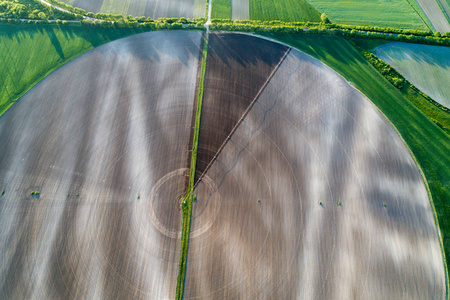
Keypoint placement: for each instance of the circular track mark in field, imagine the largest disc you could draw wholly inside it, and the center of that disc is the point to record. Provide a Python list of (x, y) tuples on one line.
[(165, 200), (164, 204)]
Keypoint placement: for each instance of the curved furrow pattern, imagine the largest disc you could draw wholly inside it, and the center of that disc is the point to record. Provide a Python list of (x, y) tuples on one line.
[(237, 67), (316, 197), (105, 141)]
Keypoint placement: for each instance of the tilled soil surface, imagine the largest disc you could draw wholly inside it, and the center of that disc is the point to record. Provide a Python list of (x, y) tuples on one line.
[(237, 68), (315, 197), (105, 141)]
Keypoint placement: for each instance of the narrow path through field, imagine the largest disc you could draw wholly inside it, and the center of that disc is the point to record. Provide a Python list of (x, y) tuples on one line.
[(189, 197), (208, 20)]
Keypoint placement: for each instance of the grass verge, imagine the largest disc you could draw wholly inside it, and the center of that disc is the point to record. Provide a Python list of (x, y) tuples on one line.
[(188, 198), (428, 143), (28, 53)]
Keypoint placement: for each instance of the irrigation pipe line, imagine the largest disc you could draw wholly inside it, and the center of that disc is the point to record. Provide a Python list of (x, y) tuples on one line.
[(246, 112)]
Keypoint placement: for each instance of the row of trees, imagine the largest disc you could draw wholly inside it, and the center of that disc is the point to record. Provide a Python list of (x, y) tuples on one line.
[(32, 9), (130, 21), (325, 24), (156, 25), (246, 26), (321, 28)]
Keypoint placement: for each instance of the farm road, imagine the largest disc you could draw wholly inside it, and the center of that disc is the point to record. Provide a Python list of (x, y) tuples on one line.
[(315, 196), (106, 129)]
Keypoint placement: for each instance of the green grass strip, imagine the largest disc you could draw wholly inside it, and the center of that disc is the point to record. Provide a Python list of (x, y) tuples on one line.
[(286, 10), (189, 197)]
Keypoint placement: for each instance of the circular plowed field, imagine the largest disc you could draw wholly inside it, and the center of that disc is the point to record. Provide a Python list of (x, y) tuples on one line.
[(304, 190)]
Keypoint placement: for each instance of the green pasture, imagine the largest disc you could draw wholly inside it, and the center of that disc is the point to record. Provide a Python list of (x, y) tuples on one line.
[(429, 144), (28, 53), (283, 10), (405, 14)]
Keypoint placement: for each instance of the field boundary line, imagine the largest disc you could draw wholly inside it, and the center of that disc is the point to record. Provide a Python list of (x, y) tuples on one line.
[(186, 203), (444, 12), (420, 16), (246, 112)]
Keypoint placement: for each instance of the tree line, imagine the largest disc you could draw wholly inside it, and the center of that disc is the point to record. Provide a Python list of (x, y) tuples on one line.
[(32, 9)]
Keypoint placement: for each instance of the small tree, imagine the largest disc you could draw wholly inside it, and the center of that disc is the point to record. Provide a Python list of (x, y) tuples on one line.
[(324, 18), (42, 16)]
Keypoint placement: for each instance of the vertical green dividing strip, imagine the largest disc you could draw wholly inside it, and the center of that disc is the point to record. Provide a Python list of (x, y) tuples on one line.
[(188, 198)]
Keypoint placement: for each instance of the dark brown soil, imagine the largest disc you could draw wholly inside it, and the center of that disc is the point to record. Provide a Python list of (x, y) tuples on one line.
[(237, 68)]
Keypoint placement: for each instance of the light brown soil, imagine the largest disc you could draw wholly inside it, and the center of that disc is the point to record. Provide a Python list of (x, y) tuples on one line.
[(111, 126), (317, 198)]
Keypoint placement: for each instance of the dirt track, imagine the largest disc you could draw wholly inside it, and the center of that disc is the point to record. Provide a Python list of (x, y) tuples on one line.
[(110, 126), (323, 162)]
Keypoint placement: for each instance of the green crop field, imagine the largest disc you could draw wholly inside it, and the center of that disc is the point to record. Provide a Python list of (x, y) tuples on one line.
[(429, 144), (427, 67), (383, 13), (29, 53), (286, 10), (221, 9)]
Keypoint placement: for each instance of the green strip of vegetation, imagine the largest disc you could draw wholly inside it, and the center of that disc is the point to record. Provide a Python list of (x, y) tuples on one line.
[(189, 197), (286, 10), (429, 144), (443, 10), (30, 52), (391, 34), (221, 9)]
